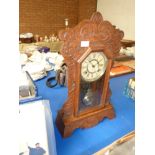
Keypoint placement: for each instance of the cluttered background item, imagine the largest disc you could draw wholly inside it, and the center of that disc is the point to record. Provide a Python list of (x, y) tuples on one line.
[(129, 89)]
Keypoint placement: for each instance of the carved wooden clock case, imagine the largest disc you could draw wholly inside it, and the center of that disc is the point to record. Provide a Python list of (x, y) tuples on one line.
[(88, 50)]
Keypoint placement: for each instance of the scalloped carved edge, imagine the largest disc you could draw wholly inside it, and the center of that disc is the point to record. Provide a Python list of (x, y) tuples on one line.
[(66, 129), (94, 29)]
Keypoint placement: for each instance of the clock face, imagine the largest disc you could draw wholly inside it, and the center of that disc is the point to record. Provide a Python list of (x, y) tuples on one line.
[(93, 67)]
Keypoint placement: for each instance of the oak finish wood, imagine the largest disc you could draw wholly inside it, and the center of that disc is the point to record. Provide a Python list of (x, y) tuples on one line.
[(102, 36)]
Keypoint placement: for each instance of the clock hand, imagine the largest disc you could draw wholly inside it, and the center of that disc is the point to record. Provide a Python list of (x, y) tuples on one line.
[(93, 63)]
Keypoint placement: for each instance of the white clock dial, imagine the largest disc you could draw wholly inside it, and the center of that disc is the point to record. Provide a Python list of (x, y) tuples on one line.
[(94, 66)]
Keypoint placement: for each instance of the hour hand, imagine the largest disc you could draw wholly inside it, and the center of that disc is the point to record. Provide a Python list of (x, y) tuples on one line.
[(93, 63)]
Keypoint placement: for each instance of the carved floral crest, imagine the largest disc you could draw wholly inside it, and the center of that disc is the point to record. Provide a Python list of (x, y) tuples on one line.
[(107, 36)]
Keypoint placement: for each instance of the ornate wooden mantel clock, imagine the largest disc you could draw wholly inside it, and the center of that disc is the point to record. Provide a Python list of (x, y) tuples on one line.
[(88, 49)]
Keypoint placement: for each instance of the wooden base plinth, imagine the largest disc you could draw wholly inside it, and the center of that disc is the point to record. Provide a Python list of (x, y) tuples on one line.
[(85, 121)]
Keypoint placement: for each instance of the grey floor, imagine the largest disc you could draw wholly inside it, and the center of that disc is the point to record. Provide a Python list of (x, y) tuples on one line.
[(127, 148)]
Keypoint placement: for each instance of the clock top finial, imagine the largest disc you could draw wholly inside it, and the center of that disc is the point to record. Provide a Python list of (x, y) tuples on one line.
[(96, 16)]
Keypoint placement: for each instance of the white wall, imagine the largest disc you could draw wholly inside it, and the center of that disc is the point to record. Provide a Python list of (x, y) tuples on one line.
[(120, 13)]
